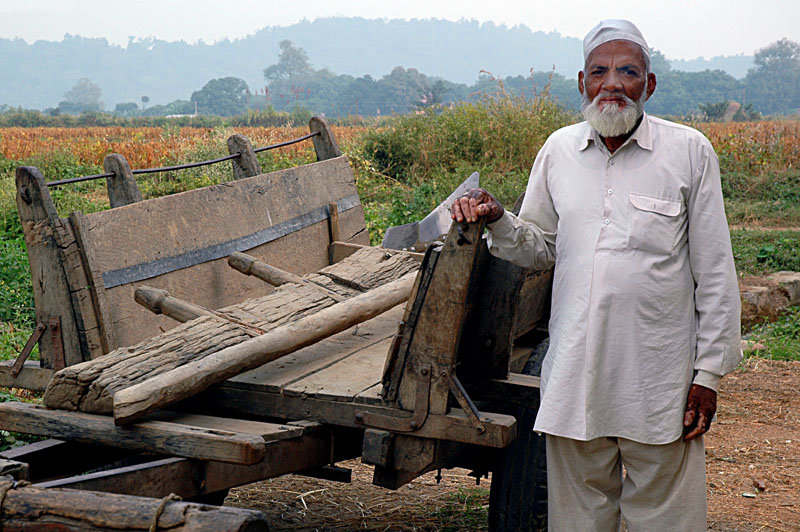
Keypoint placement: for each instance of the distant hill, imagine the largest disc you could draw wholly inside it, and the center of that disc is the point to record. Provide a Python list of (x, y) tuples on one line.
[(38, 75), (735, 65)]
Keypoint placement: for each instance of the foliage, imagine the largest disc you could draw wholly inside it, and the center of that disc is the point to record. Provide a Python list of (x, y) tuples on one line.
[(714, 111), (222, 97), (292, 63), (773, 84), (758, 252), (83, 96), (126, 109), (780, 338)]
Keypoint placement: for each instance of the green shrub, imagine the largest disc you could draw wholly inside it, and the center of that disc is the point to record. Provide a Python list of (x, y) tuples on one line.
[(781, 338), (762, 252)]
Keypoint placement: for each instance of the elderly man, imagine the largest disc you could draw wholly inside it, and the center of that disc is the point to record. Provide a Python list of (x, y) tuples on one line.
[(645, 312)]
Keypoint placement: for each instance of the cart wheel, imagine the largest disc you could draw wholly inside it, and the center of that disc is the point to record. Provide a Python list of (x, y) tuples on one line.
[(518, 495)]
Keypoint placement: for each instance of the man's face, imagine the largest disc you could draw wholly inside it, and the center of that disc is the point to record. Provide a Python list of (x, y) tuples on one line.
[(614, 85)]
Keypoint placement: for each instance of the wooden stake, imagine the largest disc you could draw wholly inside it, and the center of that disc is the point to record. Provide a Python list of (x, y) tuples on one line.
[(187, 380)]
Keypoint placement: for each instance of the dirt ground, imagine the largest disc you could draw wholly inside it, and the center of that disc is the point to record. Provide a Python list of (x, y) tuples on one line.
[(752, 462)]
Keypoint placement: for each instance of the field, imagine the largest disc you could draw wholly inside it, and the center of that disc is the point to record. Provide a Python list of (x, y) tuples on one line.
[(403, 170)]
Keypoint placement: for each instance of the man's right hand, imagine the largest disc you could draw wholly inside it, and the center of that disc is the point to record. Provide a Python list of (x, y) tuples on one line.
[(475, 203)]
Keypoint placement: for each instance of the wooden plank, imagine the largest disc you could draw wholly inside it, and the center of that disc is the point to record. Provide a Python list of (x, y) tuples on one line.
[(533, 307), (454, 426), (280, 374), (346, 379), (194, 377), (31, 377), (268, 431), (441, 319), (186, 223), (151, 436), (189, 478), (51, 293), (95, 283), (91, 342)]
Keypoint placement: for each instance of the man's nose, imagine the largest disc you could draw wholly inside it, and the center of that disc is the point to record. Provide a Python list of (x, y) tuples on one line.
[(612, 82)]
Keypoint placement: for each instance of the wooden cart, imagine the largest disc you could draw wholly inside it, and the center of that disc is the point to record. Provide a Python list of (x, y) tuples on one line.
[(432, 383)]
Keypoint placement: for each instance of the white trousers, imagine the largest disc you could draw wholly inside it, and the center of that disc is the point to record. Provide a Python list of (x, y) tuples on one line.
[(664, 487)]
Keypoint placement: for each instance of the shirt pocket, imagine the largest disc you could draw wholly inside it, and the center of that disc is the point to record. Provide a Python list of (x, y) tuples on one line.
[(654, 223)]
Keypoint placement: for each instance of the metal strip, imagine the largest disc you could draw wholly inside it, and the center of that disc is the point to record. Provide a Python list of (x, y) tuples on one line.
[(146, 270)]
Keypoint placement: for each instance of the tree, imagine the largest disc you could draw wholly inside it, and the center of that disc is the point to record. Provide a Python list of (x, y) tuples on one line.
[(145, 99), (126, 109), (292, 63), (773, 84), (82, 97), (222, 96)]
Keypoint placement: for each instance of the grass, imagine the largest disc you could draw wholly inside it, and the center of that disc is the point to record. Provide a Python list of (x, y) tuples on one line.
[(760, 252), (466, 509), (780, 338)]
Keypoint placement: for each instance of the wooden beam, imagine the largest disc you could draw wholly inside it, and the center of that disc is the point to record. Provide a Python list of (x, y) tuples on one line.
[(34, 508), (454, 426), (342, 250), (31, 376), (51, 293), (151, 436), (190, 379)]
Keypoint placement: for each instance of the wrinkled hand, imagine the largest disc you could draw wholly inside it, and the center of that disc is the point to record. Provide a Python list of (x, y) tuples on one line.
[(700, 408), (475, 203)]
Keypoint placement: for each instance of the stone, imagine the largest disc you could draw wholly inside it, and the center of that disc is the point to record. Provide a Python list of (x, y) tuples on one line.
[(790, 282)]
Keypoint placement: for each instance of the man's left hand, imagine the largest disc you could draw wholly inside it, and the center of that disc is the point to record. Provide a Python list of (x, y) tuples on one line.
[(700, 409)]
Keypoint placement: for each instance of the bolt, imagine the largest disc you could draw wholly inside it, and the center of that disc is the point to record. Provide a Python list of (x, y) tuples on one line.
[(444, 373), (414, 425), (359, 418), (424, 371), (481, 429)]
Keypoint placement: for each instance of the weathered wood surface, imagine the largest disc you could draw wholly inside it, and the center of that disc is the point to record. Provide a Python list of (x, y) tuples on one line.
[(246, 165), (51, 292), (191, 441), (183, 229), (122, 187), (31, 508), (249, 265), (31, 377), (89, 387), (196, 376)]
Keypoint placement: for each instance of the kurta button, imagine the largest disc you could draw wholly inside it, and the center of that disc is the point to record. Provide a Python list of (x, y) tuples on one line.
[(606, 221), (610, 191), (611, 162)]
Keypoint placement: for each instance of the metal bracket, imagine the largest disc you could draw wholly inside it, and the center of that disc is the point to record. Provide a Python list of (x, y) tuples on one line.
[(26, 351), (466, 404), (403, 424)]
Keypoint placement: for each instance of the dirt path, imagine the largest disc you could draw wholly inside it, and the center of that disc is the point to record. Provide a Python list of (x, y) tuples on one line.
[(755, 444)]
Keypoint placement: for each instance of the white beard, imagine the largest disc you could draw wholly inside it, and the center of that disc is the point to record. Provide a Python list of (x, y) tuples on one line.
[(611, 120)]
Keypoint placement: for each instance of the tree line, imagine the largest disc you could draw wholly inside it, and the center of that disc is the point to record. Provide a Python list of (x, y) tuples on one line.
[(292, 85)]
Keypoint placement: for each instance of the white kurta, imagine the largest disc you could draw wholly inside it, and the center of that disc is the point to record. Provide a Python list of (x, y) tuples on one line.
[(645, 297)]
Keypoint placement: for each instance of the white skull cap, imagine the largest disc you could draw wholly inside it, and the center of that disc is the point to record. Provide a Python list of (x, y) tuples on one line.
[(613, 30)]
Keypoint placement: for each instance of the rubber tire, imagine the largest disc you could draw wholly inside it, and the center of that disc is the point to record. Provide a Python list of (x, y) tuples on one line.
[(518, 494)]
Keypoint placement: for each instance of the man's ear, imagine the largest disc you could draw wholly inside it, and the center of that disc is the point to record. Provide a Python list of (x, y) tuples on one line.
[(651, 85), (580, 83)]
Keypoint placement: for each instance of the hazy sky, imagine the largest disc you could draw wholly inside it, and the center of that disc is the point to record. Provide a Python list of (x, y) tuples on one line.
[(680, 29)]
